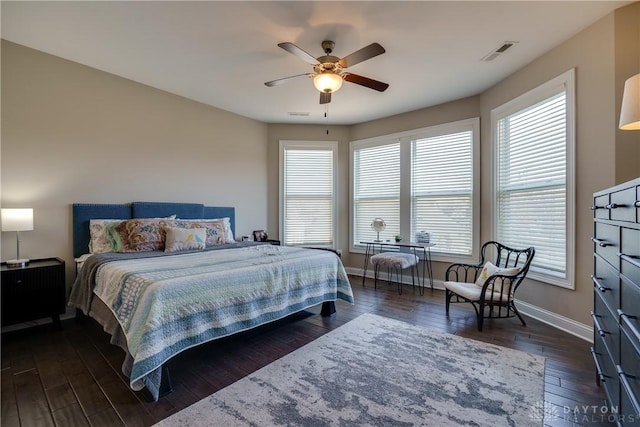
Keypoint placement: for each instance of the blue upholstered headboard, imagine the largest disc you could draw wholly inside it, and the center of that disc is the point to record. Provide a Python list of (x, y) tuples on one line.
[(83, 212)]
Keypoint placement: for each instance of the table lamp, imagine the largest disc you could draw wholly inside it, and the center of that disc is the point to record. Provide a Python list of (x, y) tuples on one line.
[(630, 111), (17, 220)]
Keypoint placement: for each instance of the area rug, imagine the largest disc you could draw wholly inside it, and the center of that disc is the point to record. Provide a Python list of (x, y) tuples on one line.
[(375, 371)]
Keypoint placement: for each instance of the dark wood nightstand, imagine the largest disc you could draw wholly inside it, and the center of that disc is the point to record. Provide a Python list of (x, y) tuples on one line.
[(33, 292), (273, 242)]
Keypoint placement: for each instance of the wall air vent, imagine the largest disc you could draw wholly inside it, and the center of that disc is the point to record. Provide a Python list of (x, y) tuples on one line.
[(498, 51), (299, 113)]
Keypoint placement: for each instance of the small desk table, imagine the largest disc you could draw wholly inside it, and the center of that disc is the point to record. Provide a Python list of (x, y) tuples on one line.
[(422, 250)]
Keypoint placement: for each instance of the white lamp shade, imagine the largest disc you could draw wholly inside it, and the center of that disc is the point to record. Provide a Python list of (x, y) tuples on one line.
[(630, 111), (327, 82), (17, 219)]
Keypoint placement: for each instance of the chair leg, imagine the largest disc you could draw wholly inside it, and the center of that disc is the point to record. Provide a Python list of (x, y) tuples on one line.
[(376, 270), (399, 279), (515, 310), (480, 316), (447, 300)]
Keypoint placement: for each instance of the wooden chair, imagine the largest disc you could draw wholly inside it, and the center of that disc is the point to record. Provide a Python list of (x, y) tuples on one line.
[(489, 286)]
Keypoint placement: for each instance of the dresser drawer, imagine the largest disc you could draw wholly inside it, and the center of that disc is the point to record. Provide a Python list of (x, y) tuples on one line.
[(621, 205), (630, 302), (605, 325), (630, 358), (606, 371), (606, 283), (607, 243), (599, 207), (630, 254), (628, 414)]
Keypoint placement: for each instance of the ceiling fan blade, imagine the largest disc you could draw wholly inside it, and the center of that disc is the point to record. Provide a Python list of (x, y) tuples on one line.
[(367, 52), (285, 79), (292, 48), (365, 81), (325, 97)]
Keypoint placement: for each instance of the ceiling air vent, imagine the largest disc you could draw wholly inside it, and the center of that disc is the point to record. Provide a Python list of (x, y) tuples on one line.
[(299, 113), (499, 51)]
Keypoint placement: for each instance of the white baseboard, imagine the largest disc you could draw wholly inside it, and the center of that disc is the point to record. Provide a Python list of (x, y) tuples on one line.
[(555, 320), (565, 324)]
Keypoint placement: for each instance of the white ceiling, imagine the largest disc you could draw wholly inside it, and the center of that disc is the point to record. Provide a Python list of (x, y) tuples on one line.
[(221, 53)]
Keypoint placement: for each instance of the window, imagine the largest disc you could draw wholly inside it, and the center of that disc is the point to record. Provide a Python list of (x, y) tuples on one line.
[(533, 185), (421, 180), (307, 193), (442, 191)]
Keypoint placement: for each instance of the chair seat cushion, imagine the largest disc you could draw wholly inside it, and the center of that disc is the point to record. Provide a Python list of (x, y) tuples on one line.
[(399, 260), (472, 292)]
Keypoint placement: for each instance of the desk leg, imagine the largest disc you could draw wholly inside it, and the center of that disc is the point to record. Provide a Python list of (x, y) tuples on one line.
[(429, 266), (420, 279)]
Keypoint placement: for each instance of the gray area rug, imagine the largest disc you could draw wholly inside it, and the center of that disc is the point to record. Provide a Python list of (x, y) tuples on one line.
[(375, 371)]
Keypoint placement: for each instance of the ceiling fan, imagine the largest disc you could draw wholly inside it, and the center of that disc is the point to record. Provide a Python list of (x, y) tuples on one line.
[(329, 71)]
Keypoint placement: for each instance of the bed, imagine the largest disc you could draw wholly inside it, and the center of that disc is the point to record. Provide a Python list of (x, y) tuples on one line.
[(156, 304)]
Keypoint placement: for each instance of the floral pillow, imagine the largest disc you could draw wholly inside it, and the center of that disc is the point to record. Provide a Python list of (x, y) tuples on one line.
[(215, 229), (489, 270), (184, 239), (140, 235), (228, 233), (98, 230)]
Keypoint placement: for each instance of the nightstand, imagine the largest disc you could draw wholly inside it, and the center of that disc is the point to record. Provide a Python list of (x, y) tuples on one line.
[(273, 242), (34, 291)]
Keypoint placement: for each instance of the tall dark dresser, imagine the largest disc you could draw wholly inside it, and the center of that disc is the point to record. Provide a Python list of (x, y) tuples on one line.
[(616, 301)]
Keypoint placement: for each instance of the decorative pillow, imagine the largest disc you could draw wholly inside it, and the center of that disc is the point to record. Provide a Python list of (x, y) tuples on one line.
[(215, 229), (141, 234), (489, 270), (228, 233), (184, 239), (98, 230)]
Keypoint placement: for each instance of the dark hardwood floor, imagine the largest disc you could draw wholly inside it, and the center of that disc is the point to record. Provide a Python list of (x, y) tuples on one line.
[(72, 377)]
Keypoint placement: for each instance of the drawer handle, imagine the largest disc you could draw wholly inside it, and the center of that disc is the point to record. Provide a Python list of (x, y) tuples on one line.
[(630, 259), (637, 204), (598, 368), (595, 207), (596, 282), (601, 243), (601, 332), (615, 206), (626, 319), (625, 383)]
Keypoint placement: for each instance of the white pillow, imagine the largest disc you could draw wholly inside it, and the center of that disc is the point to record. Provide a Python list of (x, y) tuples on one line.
[(489, 270), (185, 239), (100, 242)]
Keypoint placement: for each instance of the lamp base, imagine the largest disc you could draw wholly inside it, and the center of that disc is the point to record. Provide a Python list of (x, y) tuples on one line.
[(14, 263)]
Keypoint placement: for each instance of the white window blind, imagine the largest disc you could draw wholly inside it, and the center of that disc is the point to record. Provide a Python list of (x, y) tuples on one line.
[(307, 195), (376, 190), (442, 191), (531, 187)]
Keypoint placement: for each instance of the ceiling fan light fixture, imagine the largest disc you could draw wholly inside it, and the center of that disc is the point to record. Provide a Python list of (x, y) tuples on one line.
[(327, 82)]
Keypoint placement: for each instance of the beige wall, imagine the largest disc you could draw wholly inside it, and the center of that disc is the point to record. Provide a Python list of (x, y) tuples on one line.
[(627, 60), (591, 53), (71, 134), (74, 134)]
